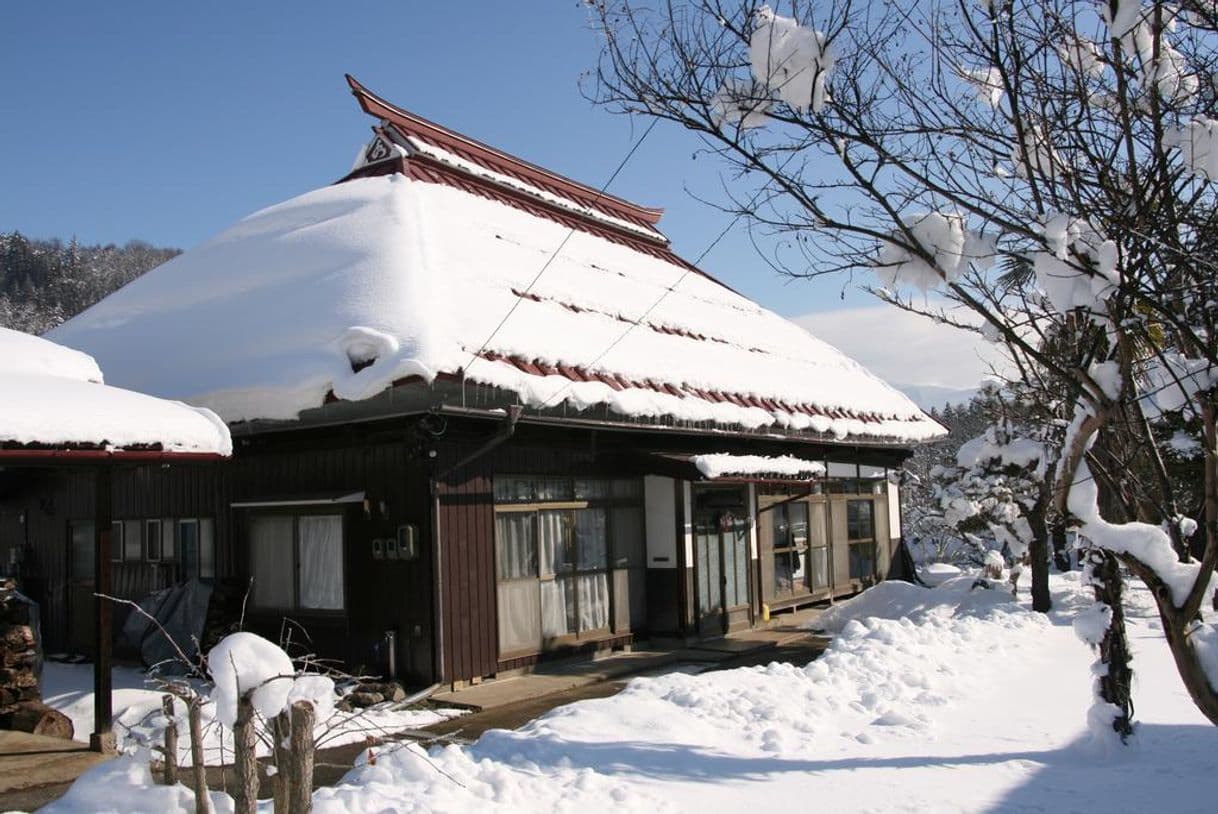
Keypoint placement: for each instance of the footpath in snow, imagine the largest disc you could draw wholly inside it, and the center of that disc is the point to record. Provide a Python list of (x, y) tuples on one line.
[(943, 700)]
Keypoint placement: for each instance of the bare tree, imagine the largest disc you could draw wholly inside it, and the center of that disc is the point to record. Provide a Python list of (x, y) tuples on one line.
[(1044, 167)]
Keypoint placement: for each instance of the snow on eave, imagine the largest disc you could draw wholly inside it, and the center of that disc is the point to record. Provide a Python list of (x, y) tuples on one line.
[(726, 465)]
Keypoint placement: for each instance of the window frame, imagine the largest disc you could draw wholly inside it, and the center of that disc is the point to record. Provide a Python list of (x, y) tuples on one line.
[(855, 543), (618, 492), (297, 512)]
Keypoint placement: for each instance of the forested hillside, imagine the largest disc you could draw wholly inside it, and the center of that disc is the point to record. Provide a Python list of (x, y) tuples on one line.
[(44, 282)]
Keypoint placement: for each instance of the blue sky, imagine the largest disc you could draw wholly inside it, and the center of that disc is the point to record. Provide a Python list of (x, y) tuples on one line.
[(168, 121)]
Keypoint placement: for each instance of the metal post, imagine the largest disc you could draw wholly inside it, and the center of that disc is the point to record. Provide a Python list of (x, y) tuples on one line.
[(102, 738)]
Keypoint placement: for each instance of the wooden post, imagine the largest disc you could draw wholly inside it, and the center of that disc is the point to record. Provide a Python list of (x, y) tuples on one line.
[(300, 784), (197, 758), (281, 726), (245, 765), (102, 738), (171, 742)]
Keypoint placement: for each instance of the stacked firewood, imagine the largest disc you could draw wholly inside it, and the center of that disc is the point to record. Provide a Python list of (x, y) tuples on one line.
[(21, 706)]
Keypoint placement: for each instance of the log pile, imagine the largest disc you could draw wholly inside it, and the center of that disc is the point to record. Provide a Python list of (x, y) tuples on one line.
[(21, 706)]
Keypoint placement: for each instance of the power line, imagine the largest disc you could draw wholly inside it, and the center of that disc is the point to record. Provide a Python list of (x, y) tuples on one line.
[(554, 254), (553, 400)]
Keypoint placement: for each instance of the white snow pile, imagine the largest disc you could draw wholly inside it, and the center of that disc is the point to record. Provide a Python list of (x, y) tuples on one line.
[(244, 664), (1171, 381), (140, 722), (1023, 453), (1197, 140), (125, 786), (721, 465), (986, 83), (945, 238), (792, 60), (55, 396), (351, 288), (952, 700), (1080, 268), (1163, 68)]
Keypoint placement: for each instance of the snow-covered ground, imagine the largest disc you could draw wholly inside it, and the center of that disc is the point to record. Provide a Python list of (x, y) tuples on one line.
[(928, 700), (138, 721)]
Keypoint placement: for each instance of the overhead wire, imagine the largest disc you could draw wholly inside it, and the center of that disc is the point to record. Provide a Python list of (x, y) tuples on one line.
[(600, 193)]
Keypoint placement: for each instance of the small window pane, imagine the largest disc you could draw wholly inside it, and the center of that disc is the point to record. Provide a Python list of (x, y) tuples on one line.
[(557, 608), (321, 561), (629, 537), (519, 615), (152, 540), (818, 567), (188, 548), (554, 489), (593, 592), (860, 522), (862, 560), (83, 548), (554, 536), (627, 487), (514, 490), (117, 549), (588, 489), (591, 539), (133, 547), (516, 544), (168, 539), (271, 563)]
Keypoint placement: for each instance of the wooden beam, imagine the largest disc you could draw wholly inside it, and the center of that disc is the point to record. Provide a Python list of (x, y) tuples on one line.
[(102, 739)]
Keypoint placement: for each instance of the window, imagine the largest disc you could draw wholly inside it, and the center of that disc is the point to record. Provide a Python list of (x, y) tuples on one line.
[(195, 542), (570, 558), (789, 524), (133, 540), (117, 548), (860, 532), (297, 561)]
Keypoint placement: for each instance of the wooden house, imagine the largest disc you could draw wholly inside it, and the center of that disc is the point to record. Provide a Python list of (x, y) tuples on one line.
[(483, 414)]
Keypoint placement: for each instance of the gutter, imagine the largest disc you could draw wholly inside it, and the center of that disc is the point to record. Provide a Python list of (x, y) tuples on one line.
[(503, 432)]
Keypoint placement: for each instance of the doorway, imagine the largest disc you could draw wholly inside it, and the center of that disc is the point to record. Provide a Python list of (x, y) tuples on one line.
[(721, 560)]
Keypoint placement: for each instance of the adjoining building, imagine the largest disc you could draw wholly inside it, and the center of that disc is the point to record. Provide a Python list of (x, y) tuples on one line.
[(483, 414), (65, 438)]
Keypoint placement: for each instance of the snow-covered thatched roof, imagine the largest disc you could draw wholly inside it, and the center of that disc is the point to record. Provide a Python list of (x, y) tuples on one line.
[(403, 274), (54, 401)]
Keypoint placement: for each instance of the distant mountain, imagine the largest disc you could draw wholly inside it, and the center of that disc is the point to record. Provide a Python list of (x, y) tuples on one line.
[(934, 397), (44, 282)]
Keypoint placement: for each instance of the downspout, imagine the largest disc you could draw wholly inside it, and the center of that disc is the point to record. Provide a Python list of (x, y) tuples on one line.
[(505, 431)]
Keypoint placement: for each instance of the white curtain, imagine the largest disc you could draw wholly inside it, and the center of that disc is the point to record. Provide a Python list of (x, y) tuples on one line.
[(557, 603), (517, 552), (593, 601), (519, 616), (271, 560), (552, 533), (321, 561)]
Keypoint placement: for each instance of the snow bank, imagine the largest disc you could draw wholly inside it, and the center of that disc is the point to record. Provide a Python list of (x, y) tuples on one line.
[(960, 596), (960, 711), (125, 786), (140, 724), (353, 287)]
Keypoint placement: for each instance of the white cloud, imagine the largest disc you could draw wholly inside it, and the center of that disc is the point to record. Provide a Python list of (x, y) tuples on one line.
[(906, 350)]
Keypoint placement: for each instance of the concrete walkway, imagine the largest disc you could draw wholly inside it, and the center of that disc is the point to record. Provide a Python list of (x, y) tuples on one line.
[(35, 770)]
